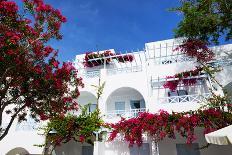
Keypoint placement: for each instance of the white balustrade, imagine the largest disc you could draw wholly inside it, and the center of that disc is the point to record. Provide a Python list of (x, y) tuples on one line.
[(169, 59), (130, 69), (91, 74), (124, 113), (185, 98)]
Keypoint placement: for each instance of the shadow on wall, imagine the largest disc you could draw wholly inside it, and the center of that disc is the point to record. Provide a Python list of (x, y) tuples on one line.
[(74, 148), (115, 147), (18, 151), (122, 148), (178, 146)]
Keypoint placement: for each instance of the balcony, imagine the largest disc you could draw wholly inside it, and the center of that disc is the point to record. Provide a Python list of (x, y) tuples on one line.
[(114, 63), (124, 102), (124, 113), (185, 93)]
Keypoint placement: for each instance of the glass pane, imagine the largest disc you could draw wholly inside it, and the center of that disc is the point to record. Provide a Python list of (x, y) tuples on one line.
[(135, 104), (183, 93), (92, 107), (172, 93)]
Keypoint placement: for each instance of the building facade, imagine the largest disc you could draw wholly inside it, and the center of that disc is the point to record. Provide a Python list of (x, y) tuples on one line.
[(131, 87), (137, 86)]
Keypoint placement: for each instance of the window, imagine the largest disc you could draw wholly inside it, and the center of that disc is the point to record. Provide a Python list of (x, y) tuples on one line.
[(173, 96), (187, 149), (120, 107), (92, 107), (183, 93), (135, 104)]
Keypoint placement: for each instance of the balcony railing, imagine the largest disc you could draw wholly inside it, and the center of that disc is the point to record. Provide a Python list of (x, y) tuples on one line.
[(124, 70), (169, 59), (124, 113), (91, 74), (157, 83), (185, 98)]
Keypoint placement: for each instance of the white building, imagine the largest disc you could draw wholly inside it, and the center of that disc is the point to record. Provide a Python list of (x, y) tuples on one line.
[(134, 87), (137, 86)]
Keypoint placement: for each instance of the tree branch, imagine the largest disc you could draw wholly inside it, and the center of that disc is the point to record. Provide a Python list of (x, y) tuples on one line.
[(11, 122), (3, 76)]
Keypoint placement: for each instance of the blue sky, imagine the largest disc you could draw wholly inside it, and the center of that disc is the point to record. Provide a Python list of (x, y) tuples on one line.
[(123, 25)]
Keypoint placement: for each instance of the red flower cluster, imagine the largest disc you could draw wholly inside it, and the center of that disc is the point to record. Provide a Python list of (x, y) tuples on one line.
[(8, 8), (89, 56), (125, 58), (181, 77), (197, 49), (163, 124)]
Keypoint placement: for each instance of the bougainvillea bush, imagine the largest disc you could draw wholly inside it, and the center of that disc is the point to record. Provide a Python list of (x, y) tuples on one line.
[(163, 124), (197, 49), (93, 59), (32, 80)]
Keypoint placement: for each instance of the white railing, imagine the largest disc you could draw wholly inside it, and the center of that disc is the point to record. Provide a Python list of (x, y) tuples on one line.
[(91, 74), (124, 113), (169, 59), (124, 70), (185, 98), (157, 83)]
